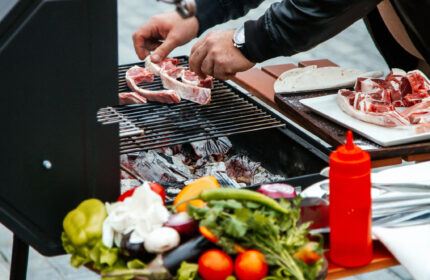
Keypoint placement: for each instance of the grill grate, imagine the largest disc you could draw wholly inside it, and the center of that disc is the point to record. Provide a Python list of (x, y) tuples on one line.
[(230, 112)]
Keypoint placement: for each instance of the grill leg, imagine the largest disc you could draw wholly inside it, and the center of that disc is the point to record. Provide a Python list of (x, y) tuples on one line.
[(18, 267)]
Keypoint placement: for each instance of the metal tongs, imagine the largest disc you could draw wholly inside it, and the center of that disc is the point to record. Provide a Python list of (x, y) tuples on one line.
[(186, 8)]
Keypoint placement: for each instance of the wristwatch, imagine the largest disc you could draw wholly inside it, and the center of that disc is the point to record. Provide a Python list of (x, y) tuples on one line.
[(239, 40)]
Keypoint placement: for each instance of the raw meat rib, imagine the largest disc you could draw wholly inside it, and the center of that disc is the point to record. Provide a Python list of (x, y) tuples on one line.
[(423, 128), (189, 77), (140, 75), (419, 113), (374, 100), (164, 96), (156, 67), (126, 98), (190, 92), (170, 73), (388, 118)]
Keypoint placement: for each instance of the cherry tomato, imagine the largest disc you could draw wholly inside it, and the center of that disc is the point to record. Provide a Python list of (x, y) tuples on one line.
[(250, 265), (215, 265), (155, 187)]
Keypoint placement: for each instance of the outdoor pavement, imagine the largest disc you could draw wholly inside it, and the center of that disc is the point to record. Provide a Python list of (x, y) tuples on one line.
[(352, 48)]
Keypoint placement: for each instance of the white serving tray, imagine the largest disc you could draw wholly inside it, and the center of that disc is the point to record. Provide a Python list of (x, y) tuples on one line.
[(384, 136)]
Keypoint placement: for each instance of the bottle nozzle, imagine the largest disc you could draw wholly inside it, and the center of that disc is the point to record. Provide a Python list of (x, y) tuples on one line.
[(349, 141)]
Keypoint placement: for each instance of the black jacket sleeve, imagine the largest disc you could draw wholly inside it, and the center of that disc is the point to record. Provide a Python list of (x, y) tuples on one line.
[(213, 12), (288, 27)]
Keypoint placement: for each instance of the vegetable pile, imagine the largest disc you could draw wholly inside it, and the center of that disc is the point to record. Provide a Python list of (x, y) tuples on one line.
[(222, 234)]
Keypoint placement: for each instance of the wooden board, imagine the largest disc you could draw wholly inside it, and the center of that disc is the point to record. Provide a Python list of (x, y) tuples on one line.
[(382, 258)]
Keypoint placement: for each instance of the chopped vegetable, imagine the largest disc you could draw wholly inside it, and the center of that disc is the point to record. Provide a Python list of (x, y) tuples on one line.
[(161, 240), (183, 224), (207, 234), (262, 227), (155, 187), (86, 247), (215, 265), (188, 251), (194, 189), (242, 195), (250, 265), (307, 254), (84, 224), (212, 238), (134, 250), (141, 213), (277, 190), (187, 271)]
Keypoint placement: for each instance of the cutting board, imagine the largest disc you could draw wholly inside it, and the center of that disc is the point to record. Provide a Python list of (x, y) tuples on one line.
[(384, 136)]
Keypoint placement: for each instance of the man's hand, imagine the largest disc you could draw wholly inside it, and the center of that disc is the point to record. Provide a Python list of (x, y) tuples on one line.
[(216, 55), (170, 27)]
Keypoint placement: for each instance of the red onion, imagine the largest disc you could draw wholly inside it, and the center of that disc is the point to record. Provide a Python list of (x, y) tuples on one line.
[(182, 223), (277, 190)]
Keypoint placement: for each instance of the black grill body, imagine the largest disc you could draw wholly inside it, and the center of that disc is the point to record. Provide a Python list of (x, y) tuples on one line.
[(58, 64)]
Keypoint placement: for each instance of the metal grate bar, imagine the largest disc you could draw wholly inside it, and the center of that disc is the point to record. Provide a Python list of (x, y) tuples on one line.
[(229, 112)]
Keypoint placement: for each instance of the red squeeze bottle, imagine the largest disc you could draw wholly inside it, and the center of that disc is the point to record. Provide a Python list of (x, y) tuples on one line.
[(350, 205)]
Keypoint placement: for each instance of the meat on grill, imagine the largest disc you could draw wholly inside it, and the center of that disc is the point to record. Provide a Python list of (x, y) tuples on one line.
[(136, 75), (190, 92), (156, 67), (127, 98), (189, 77), (171, 76), (374, 100)]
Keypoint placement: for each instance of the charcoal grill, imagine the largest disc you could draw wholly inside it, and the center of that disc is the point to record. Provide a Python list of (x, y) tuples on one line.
[(59, 61), (155, 125)]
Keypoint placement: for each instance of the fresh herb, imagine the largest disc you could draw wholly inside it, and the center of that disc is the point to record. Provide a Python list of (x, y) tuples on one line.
[(262, 227)]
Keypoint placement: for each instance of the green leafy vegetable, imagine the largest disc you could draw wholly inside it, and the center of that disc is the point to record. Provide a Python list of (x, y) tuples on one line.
[(82, 239), (187, 271), (274, 233)]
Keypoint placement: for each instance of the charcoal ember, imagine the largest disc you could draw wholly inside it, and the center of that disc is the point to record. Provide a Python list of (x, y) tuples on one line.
[(158, 167), (211, 168), (212, 147), (127, 160), (128, 184), (200, 162), (125, 175), (264, 176), (169, 151), (241, 166)]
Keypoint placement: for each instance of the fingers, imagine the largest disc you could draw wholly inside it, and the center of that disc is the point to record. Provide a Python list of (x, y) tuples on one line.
[(196, 60), (207, 66), (164, 49), (197, 45), (139, 44), (221, 73)]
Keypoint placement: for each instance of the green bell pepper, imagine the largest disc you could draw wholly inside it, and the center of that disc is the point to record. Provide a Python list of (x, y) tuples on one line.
[(84, 223)]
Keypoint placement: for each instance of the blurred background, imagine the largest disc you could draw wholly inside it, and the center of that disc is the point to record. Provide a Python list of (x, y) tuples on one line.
[(353, 48)]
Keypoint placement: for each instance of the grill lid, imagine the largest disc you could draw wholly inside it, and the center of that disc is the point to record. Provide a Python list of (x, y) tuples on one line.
[(155, 125)]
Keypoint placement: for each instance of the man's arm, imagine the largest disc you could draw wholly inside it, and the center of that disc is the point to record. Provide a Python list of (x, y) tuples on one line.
[(213, 12), (293, 26)]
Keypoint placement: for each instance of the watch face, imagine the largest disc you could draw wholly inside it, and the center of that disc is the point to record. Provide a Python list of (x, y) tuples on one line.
[(239, 36)]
